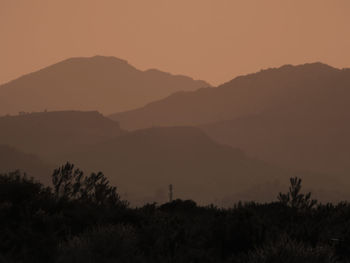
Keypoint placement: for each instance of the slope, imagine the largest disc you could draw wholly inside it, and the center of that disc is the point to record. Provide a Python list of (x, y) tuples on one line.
[(313, 87), (53, 134), (11, 160), (143, 163), (105, 84)]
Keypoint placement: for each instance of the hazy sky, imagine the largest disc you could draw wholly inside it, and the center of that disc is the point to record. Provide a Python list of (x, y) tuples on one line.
[(214, 40)]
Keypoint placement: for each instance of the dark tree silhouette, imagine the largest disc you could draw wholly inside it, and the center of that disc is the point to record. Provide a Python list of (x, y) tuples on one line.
[(67, 182), (75, 222), (296, 199), (72, 184), (17, 188)]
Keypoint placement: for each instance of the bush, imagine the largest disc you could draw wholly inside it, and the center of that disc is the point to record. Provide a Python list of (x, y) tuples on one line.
[(72, 184), (103, 244), (288, 251)]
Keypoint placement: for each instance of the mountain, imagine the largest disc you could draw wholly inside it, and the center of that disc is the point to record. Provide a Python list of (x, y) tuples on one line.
[(105, 84), (53, 134), (11, 160), (314, 87), (143, 163), (306, 141), (293, 116)]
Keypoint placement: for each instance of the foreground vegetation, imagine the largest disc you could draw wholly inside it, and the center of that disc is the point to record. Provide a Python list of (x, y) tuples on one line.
[(82, 219)]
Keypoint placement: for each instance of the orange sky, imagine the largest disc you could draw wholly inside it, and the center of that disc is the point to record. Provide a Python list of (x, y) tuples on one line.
[(214, 40)]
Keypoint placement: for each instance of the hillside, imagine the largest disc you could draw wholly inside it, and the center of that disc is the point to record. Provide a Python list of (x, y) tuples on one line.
[(105, 84), (314, 87), (11, 160), (306, 141), (143, 163), (292, 116), (52, 134)]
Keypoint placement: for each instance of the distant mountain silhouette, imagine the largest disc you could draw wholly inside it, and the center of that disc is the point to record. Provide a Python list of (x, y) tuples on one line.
[(306, 141), (106, 84), (295, 116), (316, 87), (52, 134), (144, 162), (12, 160)]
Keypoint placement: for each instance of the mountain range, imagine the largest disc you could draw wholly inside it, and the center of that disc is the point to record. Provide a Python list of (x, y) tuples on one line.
[(294, 116), (105, 84), (143, 163), (238, 141)]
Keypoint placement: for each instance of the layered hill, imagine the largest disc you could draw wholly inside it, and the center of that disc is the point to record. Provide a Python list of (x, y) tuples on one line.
[(293, 116), (306, 141), (53, 134), (12, 159), (105, 84), (316, 87), (144, 162)]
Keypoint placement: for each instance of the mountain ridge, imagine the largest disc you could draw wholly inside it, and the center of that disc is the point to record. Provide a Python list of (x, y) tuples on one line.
[(48, 133), (106, 84), (243, 96), (293, 116), (142, 163)]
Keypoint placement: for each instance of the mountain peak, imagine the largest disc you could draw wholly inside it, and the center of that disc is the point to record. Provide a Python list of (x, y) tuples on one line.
[(96, 58), (308, 66), (106, 84), (94, 61), (286, 70), (314, 66)]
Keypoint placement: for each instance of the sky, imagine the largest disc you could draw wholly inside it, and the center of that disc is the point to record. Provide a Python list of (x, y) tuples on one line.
[(213, 40)]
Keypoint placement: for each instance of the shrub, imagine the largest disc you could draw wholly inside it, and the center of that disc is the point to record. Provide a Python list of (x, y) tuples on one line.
[(288, 251), (102, 244)]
